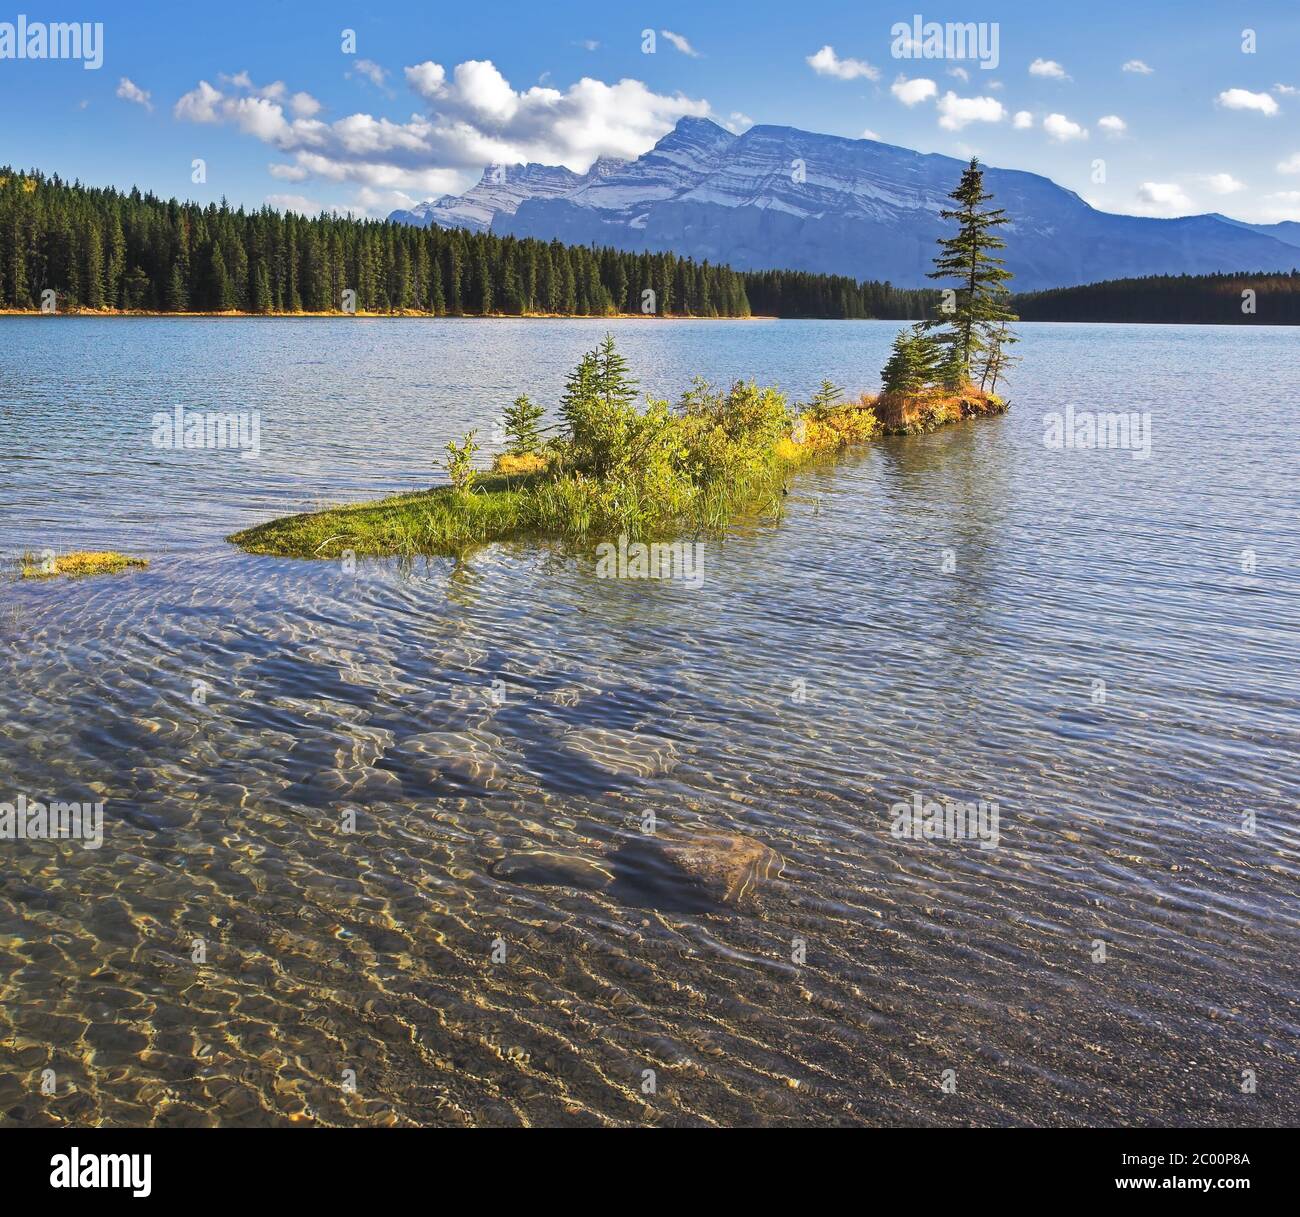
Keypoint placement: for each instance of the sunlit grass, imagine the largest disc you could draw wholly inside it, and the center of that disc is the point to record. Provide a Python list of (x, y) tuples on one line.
[(78, 564)]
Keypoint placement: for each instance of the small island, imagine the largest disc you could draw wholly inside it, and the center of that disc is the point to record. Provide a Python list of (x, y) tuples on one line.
[(612, 469), (78, 564)]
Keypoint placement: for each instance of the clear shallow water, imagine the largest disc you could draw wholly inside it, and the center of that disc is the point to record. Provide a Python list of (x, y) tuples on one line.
[(372, 690)]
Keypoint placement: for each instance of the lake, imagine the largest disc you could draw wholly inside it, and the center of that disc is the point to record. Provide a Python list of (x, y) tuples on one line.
[(328, 787)]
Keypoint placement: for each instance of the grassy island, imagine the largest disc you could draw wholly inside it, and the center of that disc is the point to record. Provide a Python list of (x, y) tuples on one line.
[(79, 564), (617, 469), (609, 468)]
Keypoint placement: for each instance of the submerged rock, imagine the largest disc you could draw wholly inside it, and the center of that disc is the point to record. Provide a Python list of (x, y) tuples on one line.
[(689, 870), (541, 868), (681, 870), (621, 754)]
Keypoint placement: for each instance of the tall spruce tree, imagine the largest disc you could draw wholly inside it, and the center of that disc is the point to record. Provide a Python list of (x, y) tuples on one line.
[(980, 303)]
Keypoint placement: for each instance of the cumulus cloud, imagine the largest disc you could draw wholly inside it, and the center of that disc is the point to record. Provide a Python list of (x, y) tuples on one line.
[(1285, 90), (128, 90), (738, 122), (1163, 198), (1049, 68), (288, 173), (826, 63), (1244, 99), (681, 43), (1062, 129), (1136, 65), (199, 105), (1022, 120), (910, 92), (304, 105), (1112, 124), (473, 117), (1290, 165), (275, 91), (956, 112), (868, 133), (1222, 183)]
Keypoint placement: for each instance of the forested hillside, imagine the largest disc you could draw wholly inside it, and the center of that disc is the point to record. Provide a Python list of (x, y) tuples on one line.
[(100, 248), (1274, 299)]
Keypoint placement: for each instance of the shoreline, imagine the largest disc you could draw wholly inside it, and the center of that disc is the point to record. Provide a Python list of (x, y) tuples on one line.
[(413, 315), (406, 315)]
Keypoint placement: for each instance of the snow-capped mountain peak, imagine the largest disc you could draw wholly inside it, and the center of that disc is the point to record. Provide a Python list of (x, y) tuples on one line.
[(779, 197)]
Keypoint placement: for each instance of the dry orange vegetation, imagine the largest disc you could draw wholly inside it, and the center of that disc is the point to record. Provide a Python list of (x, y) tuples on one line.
[(911, 414)]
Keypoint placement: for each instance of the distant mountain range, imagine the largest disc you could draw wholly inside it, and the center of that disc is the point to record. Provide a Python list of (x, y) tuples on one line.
[(779, 198)]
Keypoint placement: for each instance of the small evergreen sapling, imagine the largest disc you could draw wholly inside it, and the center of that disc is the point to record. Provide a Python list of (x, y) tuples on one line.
[(824, 400), (523, 436), (913, 363)]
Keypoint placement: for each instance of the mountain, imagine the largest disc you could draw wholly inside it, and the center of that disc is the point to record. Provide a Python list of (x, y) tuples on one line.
[(1287, 231), (779, 198), (500, 191)]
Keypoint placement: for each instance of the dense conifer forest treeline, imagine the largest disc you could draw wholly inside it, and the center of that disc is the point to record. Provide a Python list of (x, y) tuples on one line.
[(103, 249), (1203, 299)]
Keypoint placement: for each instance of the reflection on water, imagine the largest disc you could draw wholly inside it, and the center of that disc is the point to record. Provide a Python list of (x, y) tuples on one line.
[(494, 941)]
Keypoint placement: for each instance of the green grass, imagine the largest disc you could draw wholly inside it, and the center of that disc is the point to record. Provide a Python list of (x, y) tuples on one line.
[(437, 521), (542, 506), (720, 457)]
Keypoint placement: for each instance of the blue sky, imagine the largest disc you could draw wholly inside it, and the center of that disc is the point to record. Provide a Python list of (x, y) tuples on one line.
[(265, 94)]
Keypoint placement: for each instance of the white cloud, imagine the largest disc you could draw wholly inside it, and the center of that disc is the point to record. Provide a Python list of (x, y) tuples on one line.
[(960, 73), (241, 81), (428, 79), (1278, 206), (294, 202), (589, 44), (1136, 65), (910, 92), (738, 122), (199, 105), (680, 42), (371, 71), (1112, 124), (381, 202), (955, 112), (474, 118), (827, 63), (1062, 129), (1022, 120), (868, 133), (1290, 165), (1286, 90), (1222, 183), (128, 90), (1243, 99), (304, 105), (1049, 68), (1163, 198)]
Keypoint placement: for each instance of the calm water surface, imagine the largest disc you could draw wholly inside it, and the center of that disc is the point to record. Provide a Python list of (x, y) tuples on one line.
[(229, 709)]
